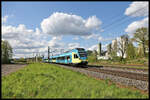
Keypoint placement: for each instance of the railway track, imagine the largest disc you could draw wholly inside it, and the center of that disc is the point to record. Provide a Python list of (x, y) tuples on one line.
[(125, 74), (119, 67), (131, 79), (130, 75)]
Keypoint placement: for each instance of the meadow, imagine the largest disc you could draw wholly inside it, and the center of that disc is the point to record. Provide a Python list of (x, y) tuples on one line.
[(41, 80)]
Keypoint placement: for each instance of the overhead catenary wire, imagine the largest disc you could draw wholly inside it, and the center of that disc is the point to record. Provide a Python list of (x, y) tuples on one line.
[(122, 18), (119, 21), (122, 22)]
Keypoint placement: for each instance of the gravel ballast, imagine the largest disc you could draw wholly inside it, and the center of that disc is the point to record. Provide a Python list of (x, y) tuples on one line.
[(126, 70), (142, 85)]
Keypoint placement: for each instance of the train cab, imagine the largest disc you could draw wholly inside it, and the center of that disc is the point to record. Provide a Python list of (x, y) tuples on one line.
[(79, 57)]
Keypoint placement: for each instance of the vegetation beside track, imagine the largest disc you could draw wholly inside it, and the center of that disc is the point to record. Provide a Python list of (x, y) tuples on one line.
[(139, 63), (41, 80)]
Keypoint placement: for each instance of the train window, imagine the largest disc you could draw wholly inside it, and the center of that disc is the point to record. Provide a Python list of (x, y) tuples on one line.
[(53, 58), (61, 58), (75, 56)]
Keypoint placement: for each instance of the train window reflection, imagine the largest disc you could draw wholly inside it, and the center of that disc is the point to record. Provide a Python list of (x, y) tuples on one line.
[(75, 56)]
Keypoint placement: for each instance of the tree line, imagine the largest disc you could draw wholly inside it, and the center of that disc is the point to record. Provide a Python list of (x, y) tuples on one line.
[(6, 54), (130, 48), (125, 45)]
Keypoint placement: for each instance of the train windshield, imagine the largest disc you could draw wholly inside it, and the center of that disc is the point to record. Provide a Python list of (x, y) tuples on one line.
[(82, 55), (82, 52)]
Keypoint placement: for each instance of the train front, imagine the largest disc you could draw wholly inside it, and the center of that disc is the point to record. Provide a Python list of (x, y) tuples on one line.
[(82, 56)]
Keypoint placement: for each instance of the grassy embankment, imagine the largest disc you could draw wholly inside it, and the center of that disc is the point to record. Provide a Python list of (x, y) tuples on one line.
[(41, 80), (139, 63)]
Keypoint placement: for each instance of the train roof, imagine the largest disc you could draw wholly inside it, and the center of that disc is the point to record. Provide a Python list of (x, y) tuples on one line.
[(67, 53), (80, 48)]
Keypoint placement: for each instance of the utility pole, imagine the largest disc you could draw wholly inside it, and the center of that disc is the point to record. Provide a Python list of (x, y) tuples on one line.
[(43, 56), (99, 49), (36, 57), (33, 57), (48, 52), (52, 52), (62, 50)]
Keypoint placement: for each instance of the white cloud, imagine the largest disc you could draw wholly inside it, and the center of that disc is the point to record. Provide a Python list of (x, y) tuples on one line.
[(137, 24), (93, 22), (76, 38), (100, 39), (22, 34), (68, 24), (96, 37), (24, 41), (137, 9), (92, 36), (4, 19), (10, 32), (94, 47), (55, 42), (73, 45)]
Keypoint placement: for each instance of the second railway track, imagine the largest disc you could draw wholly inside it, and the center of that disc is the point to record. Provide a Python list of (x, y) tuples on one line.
[(130, 75), (127, 74)]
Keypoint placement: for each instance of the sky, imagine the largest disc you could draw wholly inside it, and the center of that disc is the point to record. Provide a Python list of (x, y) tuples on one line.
[(30, 27)]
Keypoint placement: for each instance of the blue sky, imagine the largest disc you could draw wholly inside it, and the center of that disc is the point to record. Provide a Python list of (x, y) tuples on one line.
[(31, 14), (24, 12)]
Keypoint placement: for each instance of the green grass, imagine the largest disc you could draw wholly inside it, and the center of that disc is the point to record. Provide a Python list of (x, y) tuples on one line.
[(41, 80)]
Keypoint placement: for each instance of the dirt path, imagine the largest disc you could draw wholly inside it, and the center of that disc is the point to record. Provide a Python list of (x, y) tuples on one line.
[(9, 68)]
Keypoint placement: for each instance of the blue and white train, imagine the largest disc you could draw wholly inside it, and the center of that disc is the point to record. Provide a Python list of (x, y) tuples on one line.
[(77, 56)]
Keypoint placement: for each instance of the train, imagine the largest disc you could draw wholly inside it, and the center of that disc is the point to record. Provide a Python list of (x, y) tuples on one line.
[(45, 60), (76, 56)]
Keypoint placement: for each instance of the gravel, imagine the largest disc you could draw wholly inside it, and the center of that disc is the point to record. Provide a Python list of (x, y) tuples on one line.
[(9, 68), (126, 70), (142, 85)]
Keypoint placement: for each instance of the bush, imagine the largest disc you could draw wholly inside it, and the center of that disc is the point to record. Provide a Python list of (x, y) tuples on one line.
[(92, 58), (116, 59)]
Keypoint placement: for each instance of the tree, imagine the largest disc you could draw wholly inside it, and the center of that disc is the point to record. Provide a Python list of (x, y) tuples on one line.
[(142, 37), (122, 45), (147, 44), (6, 51), (109, 48), (140, 52), (95, 54), (89, 52), (114, 49), (131, 51)]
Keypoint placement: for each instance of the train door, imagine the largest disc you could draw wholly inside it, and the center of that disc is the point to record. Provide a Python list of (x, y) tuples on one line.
[(68, 59)]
